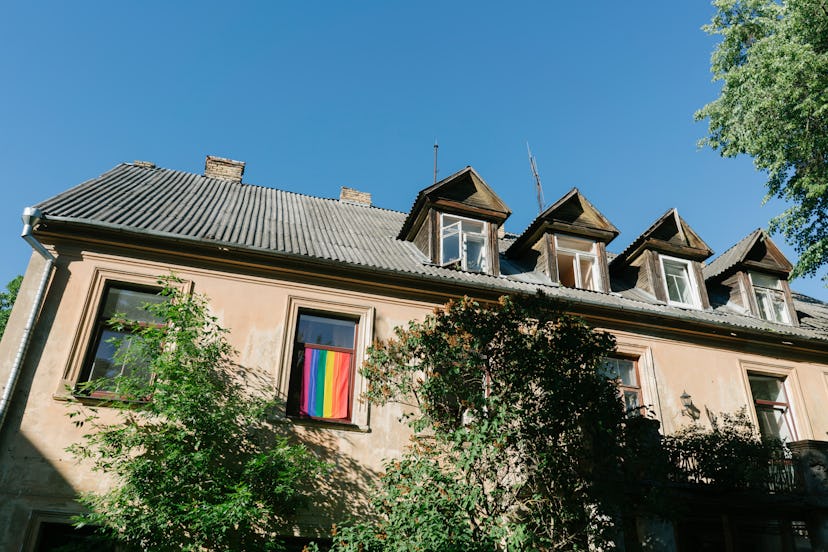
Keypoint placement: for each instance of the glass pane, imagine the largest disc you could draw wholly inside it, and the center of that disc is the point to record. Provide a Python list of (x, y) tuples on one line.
[(678, 282), (609, 368), (472, 226), (621, 369), (131, 304), (566, 269), (626, 372), (773, 423), (475, 252), (587, 272), (631, 402), (450, 244), (766, 388), (319, 330), (765, 281), (780, 310), (763, 301), (575, 244), (116, 355)]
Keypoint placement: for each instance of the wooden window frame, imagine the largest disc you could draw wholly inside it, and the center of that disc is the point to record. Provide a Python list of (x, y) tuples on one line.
[(793, 391), (778, 292), (763, 405), (100, 324), (622, 388), (297, 387), (85, 333), (364, 316), (691, 282), (597, 278), (628, 346), (484, 233)]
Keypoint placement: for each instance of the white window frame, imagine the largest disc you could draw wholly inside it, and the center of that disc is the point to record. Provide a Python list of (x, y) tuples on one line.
[(691, 281), (597, 281), (757, 289), (463, 238)]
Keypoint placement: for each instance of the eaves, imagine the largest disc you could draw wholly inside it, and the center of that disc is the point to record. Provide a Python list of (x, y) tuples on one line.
[(602, 308)]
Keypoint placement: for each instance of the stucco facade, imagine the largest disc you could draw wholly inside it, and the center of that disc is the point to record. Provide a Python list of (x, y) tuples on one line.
[(257, 294)]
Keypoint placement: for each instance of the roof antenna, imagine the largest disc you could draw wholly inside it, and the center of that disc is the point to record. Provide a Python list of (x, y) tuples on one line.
[(538, 187), (435, 160)]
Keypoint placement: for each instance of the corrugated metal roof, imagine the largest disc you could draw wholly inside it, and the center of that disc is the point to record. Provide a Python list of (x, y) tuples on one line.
[(732, 256), (171, 203)]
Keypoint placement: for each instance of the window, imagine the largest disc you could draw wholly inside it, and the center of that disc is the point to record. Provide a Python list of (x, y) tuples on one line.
[(625, 373), (680, 283), (49, 531), (322, 367), (770, 299), (577, 263), (773, 409), (463, 240), (113, 352)]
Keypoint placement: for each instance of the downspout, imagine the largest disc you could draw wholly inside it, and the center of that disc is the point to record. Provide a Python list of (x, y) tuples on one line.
[(31, 216)]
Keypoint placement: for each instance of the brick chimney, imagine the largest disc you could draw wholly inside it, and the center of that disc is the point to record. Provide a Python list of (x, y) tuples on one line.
[(349, 195), (225, 169)]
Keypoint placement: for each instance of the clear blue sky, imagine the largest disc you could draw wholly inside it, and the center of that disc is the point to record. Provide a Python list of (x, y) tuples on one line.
[(315, 95)]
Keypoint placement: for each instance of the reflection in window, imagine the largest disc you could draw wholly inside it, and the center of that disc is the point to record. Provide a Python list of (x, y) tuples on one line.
[(117, 352), (463, 240), (577, 263), (770, 299), (624, 371), (773, 409), (322, 367)]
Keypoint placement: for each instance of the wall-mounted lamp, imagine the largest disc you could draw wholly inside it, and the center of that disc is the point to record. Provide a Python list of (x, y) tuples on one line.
[(688, 408)]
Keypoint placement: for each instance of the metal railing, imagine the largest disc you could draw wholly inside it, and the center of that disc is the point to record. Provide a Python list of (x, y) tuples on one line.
[(776, 475)]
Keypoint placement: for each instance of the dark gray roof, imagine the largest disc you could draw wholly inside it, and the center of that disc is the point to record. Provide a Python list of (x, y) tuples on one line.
[(739, 252), (700, 246), (174, 204), (732, 256)]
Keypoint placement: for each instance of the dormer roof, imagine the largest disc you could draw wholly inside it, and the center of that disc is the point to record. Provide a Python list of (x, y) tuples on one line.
[(669, 234), (572, 214), (755, 251), (463, 193)]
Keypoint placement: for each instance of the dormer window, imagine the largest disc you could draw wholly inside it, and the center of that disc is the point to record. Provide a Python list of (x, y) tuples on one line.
[(770, 299), (463, 240), (680, 285), (577, 260)]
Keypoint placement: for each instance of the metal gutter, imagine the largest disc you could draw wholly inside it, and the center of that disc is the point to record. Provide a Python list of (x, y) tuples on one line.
[(31, 217)]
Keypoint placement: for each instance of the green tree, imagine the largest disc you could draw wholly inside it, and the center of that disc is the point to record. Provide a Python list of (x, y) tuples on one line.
[(194, 462), (7, 299), (517, 435), (773, 64)]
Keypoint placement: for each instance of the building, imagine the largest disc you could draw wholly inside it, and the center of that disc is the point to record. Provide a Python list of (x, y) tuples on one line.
[(692, 334)]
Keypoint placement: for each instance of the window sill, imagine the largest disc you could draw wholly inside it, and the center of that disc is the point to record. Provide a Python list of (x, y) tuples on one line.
[(97, 401), (325, 424)]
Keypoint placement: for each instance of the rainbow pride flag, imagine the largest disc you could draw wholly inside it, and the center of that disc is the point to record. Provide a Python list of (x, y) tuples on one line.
[(326, 384)]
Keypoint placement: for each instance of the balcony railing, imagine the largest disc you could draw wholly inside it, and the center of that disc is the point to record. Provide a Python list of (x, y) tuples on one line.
[(774, 475)]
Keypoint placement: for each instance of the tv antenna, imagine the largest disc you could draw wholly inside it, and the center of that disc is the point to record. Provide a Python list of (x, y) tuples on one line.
[(435, 160), (538, 187)]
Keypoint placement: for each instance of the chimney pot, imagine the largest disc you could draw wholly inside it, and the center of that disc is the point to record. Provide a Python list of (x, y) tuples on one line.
[(350, 195), (223, 168)]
